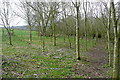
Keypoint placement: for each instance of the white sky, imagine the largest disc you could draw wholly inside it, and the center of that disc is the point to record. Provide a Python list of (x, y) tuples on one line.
[(20, 22), (57, 0)]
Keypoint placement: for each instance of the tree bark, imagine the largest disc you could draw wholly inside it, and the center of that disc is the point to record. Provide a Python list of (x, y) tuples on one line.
[(77, 34), (108, 39), (30, 35), (116, 52), (70, 44), (64, 39), (85, 32), (54, 36), (53, 27), (43, 44), (85, 23), (43, 40), (10, 38), (9, 35)]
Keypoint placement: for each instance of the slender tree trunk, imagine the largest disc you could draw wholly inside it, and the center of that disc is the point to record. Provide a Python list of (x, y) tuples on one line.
[(10, 36), (40, 36), (85, 23), (54, 36), (64, 39), (77, 34), (74, 38), (85, 32), (3, 32), (43, 44), (116, 52), (51, 28), (119, 49), (96, 37), (43, 40), (70, 44), (51, 37), (30, 35), (108, 39)]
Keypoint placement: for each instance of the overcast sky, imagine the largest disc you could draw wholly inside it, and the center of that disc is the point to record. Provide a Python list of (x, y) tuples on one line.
[(20, 22)]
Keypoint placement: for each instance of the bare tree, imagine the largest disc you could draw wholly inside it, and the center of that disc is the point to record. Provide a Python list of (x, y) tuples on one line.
[(85, 20), (7, 15), (43, 15), (106, 20), (54, 11), (77, 6), (108, 37), (26, 13), (66, 19), (116, 39)]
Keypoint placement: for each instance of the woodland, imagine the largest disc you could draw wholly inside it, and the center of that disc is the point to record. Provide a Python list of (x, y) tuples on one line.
[(72, 39)]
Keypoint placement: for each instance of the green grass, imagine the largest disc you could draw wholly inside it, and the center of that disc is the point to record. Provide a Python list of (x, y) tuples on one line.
[(28, 61)]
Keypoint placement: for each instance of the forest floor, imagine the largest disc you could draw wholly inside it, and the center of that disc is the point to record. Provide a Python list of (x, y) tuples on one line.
[(23, 60), (98, 63)]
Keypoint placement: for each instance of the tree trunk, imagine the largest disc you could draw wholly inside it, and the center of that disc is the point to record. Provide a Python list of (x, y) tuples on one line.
[(77, 34), (30, 35), (96, 37), (119, 49), (10, 36), (74, 38), (51, 37), (108, 39), (85, 23), (42, 42), (70, 44), (54, 36), (64, 39), (116, 52), (85, 32), (3, 31)]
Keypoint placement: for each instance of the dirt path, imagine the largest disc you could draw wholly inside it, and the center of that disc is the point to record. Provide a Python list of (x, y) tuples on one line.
[(97, 59)]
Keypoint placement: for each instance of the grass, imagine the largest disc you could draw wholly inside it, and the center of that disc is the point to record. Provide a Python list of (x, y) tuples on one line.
[(28, 61)]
